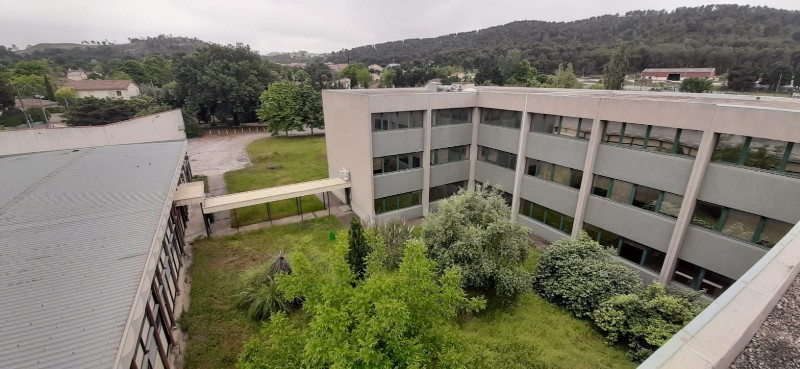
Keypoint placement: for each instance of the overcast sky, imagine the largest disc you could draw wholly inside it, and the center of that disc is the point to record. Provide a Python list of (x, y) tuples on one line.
[(290, 25)]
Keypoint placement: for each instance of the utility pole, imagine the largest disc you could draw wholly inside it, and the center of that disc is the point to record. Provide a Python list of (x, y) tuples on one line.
[(25, 113)]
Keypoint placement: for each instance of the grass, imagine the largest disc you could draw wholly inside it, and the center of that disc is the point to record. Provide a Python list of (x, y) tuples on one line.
[(531, 334), (279, 161), (217, 330)]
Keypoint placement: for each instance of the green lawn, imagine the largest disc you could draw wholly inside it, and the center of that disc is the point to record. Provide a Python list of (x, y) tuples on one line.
[(531, 334), (279, 161), (217, 330)]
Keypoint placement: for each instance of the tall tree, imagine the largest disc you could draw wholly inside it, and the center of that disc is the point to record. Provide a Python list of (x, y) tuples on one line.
[(6, 95), (311, 108), (359, 249), (615, 71), (565, 77), (779, 74), (358, 74), (222, 81), (742, 78), (320, 74), (281, 107), (48, 89)]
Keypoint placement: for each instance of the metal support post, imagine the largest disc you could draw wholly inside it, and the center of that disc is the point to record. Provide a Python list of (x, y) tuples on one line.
[(236, 219)]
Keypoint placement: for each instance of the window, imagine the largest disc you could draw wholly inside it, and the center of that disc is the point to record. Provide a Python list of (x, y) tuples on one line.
[(644, 256), (443, 117), (653, 138), (569, 126), (396, 120), (765, 154), (555, 173), (773, 231), (576, 178), (394, 163), (547, 216), (449, 154), (621, 191), (706, 215), (661, 139), (698, 278), (564, 126), (501, 118), (759, 153), (546, 171), (791, 164), (612, 132), (440, 192), (634, 135), (395, 202), (544, 123), (562, 175), (646, 198), (119, 93), (739, 224), (670, 204), (501, 158), (601, 185), (642, 197), (631, 251), (728, 148)]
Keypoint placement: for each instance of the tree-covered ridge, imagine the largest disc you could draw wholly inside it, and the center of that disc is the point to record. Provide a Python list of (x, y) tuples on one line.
[(718, 36)]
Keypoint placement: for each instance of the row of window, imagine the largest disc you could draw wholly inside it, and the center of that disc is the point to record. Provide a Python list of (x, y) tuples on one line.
[(559, 125), (449, 154), (547, 216), (446, 190), (555, 173), (698, 278), (761, 153), (396, 120), (644, 256), (653, 138), (643, 197), (501, 118), (400, 201), (396, 163), (498, 157), (443, 117), (739, 224)]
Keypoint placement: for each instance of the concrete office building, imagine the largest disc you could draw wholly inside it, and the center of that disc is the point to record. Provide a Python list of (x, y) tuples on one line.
[(688, 189), (91, 244)]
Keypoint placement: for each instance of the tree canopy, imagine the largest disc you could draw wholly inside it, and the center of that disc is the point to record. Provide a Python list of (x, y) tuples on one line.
[(615, 71)]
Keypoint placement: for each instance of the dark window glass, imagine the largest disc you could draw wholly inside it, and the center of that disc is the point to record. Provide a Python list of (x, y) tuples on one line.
[(715, 284), (765, 154), (525, 207), (634, 135), (631, 251), (609, 239), (443, 117), (671, 204), (728, 148), (377, 165), (689, 142), (569, 127), (741, 225), (396, 120), (621, 191), (502, 118), (792, 165), (390, 203), (612, 132), (503, 158), (562, 175), (706, 215), (661, 139), (546, 170), (389, 164), (686, 274), (416, 119), (530, 166), (592, 231), (575, 180), (600, 185), (553, 219), (396, 202), (416, 160), (544, 123), (404, 200), (567, 226), (774, 230), (646, 198), (537, 212), (444, 191), (654, 260), (416, 198), (403, 162), (403, 120), (586, 129)]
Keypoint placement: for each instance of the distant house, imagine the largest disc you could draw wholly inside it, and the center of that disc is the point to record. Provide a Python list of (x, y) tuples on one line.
[(102, 88), (76, 75), (345, 82), (677, 74), (375, 67), (392, 65), (336, 67)]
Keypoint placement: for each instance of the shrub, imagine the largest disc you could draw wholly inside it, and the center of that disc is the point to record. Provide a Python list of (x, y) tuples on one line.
[(579, 274), (473, 230), (388, 242), (359, 249), (645, 320), (260, 295), (697, 85), (55, 109)]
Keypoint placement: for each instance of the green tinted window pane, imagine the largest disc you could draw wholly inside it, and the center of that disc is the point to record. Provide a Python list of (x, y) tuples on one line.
[(741, 225), (546, 170), (646, 198), (379, 206), (654, 260), (671, 204), (568, 221), (376, 166), (416, 197), (600, 185), (562, 175), (631, 251), (728, 148), (609, 239), (390, 203), (765, 154), (774, 230), (575, 180), (526, 207), (405, 200), (553, 219), (686, 273), (621, 191), (538, 212), (591, 230), (706, 215)]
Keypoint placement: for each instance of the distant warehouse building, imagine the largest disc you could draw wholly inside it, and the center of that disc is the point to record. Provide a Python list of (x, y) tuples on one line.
[(91, 244), (687, 190), (677, 74)]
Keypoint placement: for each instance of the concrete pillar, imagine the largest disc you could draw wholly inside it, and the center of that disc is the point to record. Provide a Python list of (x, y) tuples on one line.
[(704, 153), (426, 162), (473, 147), (588, 171), (525, 127)]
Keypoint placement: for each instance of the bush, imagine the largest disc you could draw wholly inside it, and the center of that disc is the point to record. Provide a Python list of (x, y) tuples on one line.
[(15, 117), (260, 295), (645, 320), (388, 242), (579, 275), (359, 249), (696, 85), (473, 230), (55, 109)]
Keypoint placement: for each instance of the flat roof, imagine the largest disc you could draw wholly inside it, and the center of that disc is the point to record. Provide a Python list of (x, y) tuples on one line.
[(265, 195), (685, 97), (76, 227)]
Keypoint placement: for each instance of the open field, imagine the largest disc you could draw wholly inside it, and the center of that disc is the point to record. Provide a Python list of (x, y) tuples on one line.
[(279, 161)]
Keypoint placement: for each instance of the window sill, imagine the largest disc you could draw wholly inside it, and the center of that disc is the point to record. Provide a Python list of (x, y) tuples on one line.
[(395, 172), (759, 170), (560, 136), (496, 165), (396, 129), (494, 125), (648, 151)]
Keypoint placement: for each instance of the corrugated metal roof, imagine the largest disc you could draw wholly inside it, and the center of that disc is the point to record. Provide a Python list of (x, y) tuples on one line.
[(678, 70), (75, 229)]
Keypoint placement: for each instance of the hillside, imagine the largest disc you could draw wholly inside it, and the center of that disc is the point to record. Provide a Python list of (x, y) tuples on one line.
[(716, 35), (79, 55)]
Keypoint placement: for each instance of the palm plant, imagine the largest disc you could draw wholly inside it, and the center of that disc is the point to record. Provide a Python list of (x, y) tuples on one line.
[(260, 295)]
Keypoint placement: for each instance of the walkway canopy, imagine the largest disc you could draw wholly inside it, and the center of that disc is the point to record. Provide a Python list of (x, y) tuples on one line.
[(267, 195), (189, 193)]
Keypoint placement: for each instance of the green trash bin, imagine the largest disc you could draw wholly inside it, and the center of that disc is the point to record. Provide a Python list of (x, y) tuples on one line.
[(332, 236)]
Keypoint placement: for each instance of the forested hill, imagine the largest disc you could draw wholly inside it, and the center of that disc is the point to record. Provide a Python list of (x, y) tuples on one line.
[(718, 36)]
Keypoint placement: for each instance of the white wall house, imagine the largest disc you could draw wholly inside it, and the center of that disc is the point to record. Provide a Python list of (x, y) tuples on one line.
[(120, 89)]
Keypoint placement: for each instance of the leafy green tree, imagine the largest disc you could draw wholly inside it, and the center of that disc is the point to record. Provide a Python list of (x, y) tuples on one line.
[(281, 106), (6, 95), (48, 88), (191, 125), (387, 77), (579, 274), (391, 319), (359, 248), (697, 85), (133, 69), (779, 74), (358, 74), (742, 78), (222, 81), (119, 75), (259, 294), (91, 111), (646, 319), (320, 74), (364, 78), (311, 108), (28, 85), (617, 68), (474, 231), (565, 77), (524, 75), (509, 63), (157, 70), (40, 67), (387, 241)]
